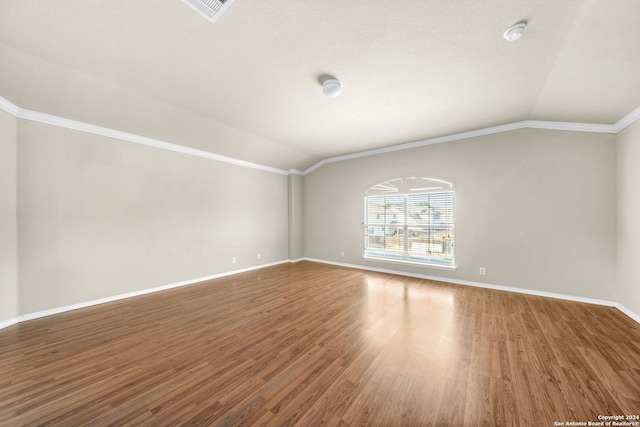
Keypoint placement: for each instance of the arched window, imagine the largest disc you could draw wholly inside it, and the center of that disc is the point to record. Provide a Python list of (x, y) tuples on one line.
[(411, 220)]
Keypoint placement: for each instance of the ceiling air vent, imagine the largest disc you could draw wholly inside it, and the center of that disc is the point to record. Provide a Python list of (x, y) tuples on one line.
[(210, 9)]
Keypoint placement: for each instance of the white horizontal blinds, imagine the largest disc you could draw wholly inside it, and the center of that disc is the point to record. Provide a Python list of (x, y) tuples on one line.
[(430, 221), (385, 219), (410, 219), (431, 209)]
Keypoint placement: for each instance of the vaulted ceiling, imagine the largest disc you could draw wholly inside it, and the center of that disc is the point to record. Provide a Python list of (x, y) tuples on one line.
[(248, 86)]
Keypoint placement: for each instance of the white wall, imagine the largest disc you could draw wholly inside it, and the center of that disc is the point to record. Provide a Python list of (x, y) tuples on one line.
[(628, 223), (535, 207), (101, 217), (8, 219)]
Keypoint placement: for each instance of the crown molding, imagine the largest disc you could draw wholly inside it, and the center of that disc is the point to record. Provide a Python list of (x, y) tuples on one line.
[(124, 136), (526, 124), (9, 107), (627, 120), (570, 126), (421, 143), (62, 122), (22, 113)]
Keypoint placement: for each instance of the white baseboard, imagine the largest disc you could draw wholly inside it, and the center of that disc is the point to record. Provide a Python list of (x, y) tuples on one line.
[(58, 310), (8, 322), (44, 313), (594, 301), (625, 310)]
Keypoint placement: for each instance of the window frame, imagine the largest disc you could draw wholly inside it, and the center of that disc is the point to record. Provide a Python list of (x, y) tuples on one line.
[(406, 188)]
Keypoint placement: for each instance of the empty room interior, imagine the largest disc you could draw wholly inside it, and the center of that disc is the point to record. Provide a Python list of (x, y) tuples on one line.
[(239, 212)]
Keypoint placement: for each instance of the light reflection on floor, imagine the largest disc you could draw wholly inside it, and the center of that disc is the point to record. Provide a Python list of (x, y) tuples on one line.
[(418, 320)]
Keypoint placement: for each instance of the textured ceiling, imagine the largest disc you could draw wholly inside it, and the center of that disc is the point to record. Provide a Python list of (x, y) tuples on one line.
[(248, 85)]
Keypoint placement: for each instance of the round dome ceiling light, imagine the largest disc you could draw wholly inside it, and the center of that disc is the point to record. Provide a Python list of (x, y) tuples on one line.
[(331, 87), (515, 32)]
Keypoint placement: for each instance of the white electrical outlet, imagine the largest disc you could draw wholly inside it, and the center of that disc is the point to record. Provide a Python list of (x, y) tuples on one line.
[(342, 254), (258, 256), (483, 271), (234, 260)]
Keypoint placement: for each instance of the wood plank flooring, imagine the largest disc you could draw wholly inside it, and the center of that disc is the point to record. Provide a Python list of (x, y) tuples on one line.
[(311, 344)]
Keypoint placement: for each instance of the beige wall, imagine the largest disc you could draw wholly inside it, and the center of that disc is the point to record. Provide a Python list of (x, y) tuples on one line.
[(628, 225), (296, 216), (8, 219), (101, 217), (535, 207)]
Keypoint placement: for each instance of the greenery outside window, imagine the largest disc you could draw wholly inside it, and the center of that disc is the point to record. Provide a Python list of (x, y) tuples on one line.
[(411, 220)]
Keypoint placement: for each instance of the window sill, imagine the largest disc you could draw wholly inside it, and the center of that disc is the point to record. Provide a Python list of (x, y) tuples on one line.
[(412, 263)]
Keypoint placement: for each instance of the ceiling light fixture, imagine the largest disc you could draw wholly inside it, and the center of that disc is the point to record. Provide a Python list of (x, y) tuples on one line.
[(515, 32), (331, 87)]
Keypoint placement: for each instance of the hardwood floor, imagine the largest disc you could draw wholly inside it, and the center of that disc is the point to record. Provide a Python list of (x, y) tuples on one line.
[(310, 344)]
